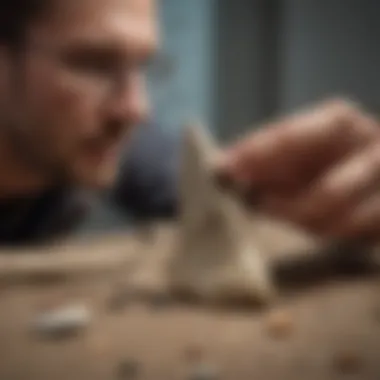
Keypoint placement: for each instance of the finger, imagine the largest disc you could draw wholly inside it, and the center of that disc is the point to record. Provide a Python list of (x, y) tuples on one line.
[(339, 190), (363, 222), (311, 140)]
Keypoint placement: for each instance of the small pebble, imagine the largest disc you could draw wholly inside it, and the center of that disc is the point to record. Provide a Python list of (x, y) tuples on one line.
[(347, 362), (62, 322), (280, 324), (128, 369), (203, 371), (193, 354)]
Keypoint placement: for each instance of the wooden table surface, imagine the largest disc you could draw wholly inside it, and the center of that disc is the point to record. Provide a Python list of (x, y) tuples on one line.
[(325, 329)]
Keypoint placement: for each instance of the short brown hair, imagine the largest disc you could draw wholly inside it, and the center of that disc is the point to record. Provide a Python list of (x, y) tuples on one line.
[(16, 16)]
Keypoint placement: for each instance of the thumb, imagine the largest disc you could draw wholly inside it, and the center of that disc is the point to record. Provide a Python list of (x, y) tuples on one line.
[(229, 171)]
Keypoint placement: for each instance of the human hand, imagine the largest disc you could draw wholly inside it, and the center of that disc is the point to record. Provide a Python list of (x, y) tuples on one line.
[(319, 169)]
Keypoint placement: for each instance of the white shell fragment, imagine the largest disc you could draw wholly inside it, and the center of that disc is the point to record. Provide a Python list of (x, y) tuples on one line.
[(215, 258), (204, 371), (62, 321)]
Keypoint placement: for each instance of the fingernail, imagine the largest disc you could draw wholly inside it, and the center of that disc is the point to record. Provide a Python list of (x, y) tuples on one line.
[(225, 161)]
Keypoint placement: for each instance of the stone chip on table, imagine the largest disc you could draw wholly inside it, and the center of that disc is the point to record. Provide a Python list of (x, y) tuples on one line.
[(203, 371), (63, 321), (215, 259)]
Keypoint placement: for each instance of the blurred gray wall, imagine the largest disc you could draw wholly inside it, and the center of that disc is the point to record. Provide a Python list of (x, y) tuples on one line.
[(186, 91), (318, 48), (246, 70), (330, 47)]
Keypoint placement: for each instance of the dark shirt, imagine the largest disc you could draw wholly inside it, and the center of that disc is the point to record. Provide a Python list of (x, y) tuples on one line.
[(33, 220), (145, 189), (147, 184)]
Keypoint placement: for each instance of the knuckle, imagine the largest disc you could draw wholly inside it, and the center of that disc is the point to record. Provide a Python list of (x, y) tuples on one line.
[(341, 106), (348, 121), (374, 157), (341, 111)]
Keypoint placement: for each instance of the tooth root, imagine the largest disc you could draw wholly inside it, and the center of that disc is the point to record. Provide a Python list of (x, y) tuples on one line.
[(215, 258)]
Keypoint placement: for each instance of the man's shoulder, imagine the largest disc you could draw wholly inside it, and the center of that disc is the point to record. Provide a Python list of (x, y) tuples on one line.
[(52, 214)]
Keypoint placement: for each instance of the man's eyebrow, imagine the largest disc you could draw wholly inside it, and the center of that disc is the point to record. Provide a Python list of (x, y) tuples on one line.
[(147, 50)]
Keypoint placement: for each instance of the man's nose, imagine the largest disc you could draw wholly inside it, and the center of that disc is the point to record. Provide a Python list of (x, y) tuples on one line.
[(129, 103)]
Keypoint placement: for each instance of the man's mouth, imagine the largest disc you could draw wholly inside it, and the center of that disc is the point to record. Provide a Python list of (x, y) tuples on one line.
[(102, 152), (103, 149)]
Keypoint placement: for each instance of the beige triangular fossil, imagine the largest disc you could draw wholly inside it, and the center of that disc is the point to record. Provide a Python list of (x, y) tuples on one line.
[(215, 258)]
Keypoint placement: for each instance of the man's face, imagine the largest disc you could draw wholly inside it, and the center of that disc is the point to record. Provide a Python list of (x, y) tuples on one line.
[(72, 98)]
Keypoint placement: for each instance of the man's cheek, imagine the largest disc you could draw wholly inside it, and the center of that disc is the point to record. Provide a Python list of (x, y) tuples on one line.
[(69, 98)]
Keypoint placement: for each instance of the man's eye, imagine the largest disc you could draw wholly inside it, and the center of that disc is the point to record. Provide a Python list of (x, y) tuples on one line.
[(93, 64)]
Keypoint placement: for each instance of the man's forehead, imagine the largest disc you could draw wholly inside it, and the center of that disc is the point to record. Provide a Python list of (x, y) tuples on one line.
[(147, 6), (140, 8), (132, 20)]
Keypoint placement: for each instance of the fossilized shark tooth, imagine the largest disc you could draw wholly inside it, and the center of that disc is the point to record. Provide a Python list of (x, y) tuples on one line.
[(215, 259)]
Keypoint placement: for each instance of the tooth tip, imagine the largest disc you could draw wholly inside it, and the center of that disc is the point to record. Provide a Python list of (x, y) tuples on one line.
[(202, 201)]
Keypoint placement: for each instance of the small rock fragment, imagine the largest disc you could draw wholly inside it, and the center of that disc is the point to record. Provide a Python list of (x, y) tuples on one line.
[(280, 324), (128, 369), (204, 371), (193, 354), (62, 322), (347, 361)]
